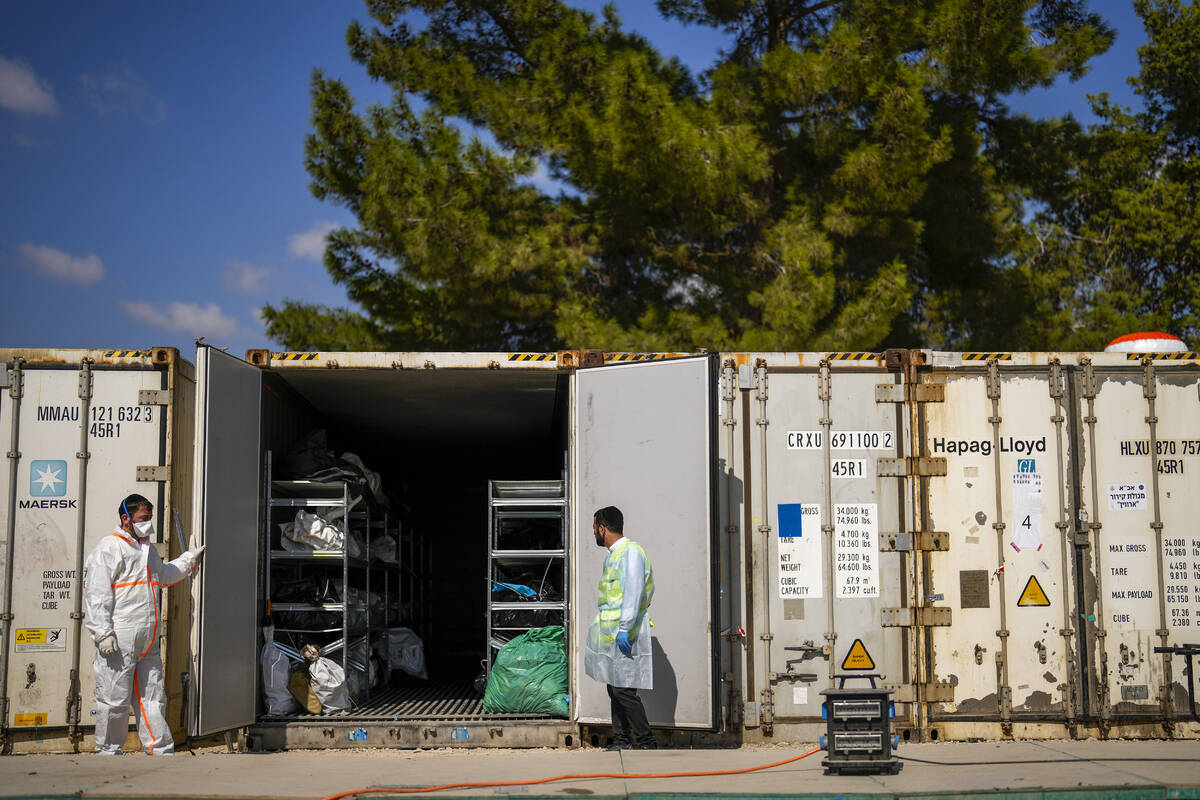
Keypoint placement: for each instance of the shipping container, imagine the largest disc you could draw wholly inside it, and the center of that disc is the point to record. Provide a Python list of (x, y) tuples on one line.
[(82, 429), (1001, 538)]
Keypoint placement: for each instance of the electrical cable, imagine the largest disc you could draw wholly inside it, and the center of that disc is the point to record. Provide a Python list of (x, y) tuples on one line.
[(1079, 760), (581, 776)]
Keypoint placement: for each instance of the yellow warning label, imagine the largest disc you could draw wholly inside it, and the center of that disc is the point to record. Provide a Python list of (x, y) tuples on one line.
[(30, 719), (1033, 594), (31, 635), (858, 657)]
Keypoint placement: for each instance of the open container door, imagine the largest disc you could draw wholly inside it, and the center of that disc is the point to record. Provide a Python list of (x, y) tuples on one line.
[(226, 515), (645, 442)]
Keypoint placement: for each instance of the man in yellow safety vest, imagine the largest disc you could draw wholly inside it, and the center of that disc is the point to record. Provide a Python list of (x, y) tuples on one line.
[(618, 644)]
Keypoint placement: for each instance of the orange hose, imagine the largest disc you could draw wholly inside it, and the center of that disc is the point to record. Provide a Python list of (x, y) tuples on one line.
[(582, 776)]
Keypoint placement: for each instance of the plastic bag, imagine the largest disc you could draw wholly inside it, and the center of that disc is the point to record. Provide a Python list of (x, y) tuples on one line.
[(314, 532), (406, 652), (276, 671), (328, 681), (301, 689), (530, 675)]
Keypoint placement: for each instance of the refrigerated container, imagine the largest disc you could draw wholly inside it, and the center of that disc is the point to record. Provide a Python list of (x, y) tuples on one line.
[(82, 429)]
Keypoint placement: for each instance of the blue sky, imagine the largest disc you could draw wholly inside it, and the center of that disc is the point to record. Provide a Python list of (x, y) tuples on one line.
[(152, 160)]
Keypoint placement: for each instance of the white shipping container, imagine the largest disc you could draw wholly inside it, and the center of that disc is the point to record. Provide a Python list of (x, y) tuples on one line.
[(83, 429)]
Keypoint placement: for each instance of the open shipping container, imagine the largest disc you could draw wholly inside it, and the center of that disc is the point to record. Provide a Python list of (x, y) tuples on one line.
[(979, 529)]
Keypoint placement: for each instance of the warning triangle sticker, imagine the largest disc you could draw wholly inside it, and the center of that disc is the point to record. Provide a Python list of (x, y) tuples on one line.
[(1033, 594), (858, 657)]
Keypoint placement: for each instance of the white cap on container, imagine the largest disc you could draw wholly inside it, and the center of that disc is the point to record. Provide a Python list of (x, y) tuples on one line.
[(1146, 342)]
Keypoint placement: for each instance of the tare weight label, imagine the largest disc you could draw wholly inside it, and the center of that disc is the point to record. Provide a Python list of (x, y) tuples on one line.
[(856, 550)]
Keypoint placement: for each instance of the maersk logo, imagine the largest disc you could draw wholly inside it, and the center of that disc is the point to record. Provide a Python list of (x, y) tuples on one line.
[(47, 478)]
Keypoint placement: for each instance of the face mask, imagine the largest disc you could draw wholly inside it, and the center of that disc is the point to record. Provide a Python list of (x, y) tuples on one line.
[(144, 529)]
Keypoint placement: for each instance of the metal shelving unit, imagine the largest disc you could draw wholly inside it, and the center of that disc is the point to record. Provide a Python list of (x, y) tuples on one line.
[(302, 494), (512, 504)]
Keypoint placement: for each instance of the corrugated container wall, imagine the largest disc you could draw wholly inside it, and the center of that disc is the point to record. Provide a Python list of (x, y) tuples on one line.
[(82, 429)]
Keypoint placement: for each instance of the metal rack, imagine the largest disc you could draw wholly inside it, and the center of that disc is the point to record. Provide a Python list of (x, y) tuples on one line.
[(516, 502), (304, 494)]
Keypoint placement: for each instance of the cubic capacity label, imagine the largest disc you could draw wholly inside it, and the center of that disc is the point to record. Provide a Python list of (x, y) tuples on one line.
[(800, 551), (856, 550), (842, 440)]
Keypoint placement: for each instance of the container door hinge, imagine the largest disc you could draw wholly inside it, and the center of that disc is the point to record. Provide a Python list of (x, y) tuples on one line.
[(153, 473), (907, 541), (912, 392), (921, 616), (937, 692), (154, 397), (910, 466)]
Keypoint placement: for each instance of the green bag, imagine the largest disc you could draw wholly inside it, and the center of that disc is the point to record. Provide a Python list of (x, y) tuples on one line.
[(530, 675)]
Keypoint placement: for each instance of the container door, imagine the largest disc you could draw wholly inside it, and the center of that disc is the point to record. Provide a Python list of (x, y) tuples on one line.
[(225, 518), (1140, 428), (644, 441), (1005, 645)]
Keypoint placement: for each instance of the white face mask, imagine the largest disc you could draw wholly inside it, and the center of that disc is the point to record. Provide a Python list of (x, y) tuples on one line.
[(145, 529)]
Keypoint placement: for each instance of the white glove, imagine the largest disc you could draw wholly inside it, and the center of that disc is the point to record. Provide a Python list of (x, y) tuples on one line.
[(107, 645), (195, 553)]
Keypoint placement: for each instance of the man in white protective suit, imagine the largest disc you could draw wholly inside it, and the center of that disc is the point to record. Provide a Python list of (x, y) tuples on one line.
[(122, 594)]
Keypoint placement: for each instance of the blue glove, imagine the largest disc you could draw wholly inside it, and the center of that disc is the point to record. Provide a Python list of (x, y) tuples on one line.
[(623, 643)]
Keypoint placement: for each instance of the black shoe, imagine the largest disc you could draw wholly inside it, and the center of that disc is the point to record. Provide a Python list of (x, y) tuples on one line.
[(648, 745), (619, 744)]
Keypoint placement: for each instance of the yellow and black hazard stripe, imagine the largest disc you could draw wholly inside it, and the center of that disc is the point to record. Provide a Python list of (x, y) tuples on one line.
[(611, 358), (126, 353), (986, 356), (1189, 356), (532, 356), (293, 356), (853, 356)]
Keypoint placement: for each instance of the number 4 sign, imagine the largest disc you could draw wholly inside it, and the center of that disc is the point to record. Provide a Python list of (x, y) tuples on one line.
[(1027, 511)]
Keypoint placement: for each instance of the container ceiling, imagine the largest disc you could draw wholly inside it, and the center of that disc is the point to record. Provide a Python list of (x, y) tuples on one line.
[(444, 407)]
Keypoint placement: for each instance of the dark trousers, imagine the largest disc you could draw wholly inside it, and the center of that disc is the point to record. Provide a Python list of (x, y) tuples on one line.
[(629, 717)]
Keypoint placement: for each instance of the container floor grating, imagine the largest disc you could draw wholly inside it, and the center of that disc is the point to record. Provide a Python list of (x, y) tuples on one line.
[(445, 700)]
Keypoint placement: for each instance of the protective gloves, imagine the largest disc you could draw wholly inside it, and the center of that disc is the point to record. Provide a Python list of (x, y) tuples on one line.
[(107, 645), (195, 553), (623, 643)]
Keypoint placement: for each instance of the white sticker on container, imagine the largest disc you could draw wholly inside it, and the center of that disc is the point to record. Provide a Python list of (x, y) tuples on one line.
[(799, 695), (1027, 511), (1127, 497), (842, 440), (848, 468), (1128, 579), (856, 550), (800, 551)]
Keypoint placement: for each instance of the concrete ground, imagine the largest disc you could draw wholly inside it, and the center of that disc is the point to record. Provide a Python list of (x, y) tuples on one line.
[(1069, 770)]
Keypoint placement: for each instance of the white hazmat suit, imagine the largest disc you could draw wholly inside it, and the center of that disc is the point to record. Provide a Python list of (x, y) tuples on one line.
[(122, 584)]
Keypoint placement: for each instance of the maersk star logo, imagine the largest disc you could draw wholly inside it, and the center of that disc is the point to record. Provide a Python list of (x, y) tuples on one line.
[(47, 478)]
